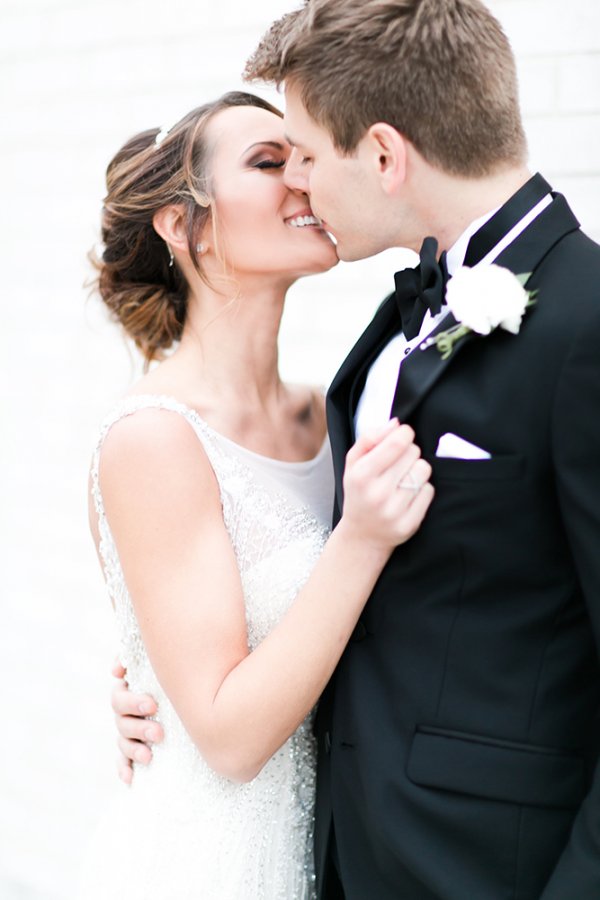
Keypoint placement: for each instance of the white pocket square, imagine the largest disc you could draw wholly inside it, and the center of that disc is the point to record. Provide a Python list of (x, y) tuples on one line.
[(454, 447)]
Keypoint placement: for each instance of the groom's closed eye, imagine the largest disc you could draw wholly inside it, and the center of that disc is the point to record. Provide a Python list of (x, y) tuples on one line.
[(297, 154)]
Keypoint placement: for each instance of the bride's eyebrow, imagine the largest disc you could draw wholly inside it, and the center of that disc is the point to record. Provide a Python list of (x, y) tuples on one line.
[(274, 144)]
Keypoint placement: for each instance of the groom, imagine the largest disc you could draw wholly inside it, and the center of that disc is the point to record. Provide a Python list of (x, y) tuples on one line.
[(459, 737)]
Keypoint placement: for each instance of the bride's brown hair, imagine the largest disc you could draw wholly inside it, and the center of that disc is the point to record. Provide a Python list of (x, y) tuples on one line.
[(144, 291)]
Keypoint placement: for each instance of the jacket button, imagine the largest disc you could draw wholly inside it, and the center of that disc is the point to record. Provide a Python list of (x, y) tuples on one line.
[(360, 631)]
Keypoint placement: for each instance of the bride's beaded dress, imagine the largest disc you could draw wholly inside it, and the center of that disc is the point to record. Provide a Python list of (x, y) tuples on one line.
[(181, 831)]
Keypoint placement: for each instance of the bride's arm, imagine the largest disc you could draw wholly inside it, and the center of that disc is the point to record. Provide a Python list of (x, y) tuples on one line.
[(163, 506)]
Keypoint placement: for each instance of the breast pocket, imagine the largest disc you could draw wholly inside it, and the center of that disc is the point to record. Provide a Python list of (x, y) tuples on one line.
[(498, 468)]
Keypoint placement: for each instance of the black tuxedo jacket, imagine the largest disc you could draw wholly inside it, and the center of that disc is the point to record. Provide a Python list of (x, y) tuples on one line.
[(458, 739)]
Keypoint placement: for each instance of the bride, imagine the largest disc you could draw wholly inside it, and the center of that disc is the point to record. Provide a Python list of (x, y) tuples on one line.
[(211, 490)]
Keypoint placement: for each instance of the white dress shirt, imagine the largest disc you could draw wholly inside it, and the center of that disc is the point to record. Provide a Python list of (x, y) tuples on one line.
[(375, 402)]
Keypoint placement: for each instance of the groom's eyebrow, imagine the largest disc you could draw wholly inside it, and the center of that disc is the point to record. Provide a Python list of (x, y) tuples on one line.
[(291, 141)]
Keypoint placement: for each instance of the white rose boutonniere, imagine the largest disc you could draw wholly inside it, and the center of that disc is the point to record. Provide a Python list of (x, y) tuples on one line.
[(481, 299)]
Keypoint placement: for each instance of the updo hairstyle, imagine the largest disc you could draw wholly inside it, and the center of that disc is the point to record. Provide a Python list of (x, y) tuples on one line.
[(144, 290)]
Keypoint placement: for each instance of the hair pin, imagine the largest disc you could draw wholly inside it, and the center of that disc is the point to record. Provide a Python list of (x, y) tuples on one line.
[(165, 131), (161, 136)]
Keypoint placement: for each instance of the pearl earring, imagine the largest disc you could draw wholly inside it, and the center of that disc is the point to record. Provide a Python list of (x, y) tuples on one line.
[(199, 248)]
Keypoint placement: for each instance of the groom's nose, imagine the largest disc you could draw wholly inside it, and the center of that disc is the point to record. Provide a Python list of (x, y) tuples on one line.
[(295, 175)]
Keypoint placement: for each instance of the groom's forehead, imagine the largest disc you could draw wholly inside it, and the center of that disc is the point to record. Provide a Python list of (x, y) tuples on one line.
[(296, 115), (300, 129)]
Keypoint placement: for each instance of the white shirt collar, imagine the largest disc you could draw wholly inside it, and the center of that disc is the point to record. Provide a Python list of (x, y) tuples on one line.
[(456, 254)]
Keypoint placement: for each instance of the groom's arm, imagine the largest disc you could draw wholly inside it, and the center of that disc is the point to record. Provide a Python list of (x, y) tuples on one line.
[(576, 450), (136, 732)]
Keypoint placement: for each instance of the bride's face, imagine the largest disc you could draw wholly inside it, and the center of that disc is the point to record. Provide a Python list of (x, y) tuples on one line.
[(261, 224)]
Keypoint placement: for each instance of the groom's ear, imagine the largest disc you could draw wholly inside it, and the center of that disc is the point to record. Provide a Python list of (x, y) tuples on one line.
[(387, 153)]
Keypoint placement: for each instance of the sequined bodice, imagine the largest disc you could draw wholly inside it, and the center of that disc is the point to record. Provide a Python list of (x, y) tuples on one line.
[(245, 841)]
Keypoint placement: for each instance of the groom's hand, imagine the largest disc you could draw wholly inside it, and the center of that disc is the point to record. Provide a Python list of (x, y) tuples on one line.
[(136, 733)]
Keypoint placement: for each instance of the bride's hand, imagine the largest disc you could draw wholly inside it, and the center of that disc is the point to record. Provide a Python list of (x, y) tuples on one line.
[(136, 733), (386, 488)]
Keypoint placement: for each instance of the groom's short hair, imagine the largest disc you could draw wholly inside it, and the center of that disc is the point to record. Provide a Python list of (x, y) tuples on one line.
[(442, 72)]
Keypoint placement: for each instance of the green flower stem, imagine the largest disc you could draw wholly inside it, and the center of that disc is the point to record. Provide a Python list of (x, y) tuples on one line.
[(447, 339)]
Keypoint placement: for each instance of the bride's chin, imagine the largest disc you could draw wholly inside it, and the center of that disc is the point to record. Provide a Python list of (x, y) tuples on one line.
[(327, 264), (321, 262), (312, 269), (332, 254)]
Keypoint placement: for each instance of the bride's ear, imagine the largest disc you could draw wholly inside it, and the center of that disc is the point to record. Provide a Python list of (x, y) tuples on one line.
[(169, 223), (388, 153)]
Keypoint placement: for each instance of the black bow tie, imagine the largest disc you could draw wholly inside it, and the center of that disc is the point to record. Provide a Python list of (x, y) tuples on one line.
[(422, 288)]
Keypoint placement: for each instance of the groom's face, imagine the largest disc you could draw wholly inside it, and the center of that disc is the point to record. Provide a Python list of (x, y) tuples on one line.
[(343, 191)]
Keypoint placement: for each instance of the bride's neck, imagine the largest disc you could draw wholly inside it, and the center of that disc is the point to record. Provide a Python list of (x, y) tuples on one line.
[(230, 346)]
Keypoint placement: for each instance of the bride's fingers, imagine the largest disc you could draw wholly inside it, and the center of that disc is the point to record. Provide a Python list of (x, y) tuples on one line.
[(401, 463), (124, 769), (403, 488), (137, 729), (126, 703), (415, 512), (392, 448), (118, 670), (367, 442), (405, 480)]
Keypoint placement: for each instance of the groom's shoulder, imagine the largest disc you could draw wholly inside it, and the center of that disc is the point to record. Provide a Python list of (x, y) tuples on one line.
[(589, 247), (573, 264), (576, 243), (567, 303)]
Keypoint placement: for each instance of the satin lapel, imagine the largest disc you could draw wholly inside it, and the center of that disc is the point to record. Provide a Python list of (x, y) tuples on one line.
[(343, 390), (423, 368), (420, 371), (526, 253)]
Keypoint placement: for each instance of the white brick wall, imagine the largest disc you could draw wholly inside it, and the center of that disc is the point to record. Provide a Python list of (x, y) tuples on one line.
[(76, 79), (558, 52)]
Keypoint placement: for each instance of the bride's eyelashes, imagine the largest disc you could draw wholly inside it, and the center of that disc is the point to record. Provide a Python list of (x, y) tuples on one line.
[(270, 164)]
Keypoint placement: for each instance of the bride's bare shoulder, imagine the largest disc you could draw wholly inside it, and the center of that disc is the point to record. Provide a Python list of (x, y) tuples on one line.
[(152, 446)]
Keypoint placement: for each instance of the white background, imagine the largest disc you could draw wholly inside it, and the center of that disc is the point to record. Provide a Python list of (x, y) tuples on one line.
[(78, 77)]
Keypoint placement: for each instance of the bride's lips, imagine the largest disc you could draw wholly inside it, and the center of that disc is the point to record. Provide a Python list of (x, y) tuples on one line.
[(303, 218)]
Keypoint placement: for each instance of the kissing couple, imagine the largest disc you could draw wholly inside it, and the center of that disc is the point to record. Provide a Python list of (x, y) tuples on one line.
[(446, 618)]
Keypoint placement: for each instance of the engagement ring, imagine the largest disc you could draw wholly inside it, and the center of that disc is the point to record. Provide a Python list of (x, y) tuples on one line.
[(411, 485)]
